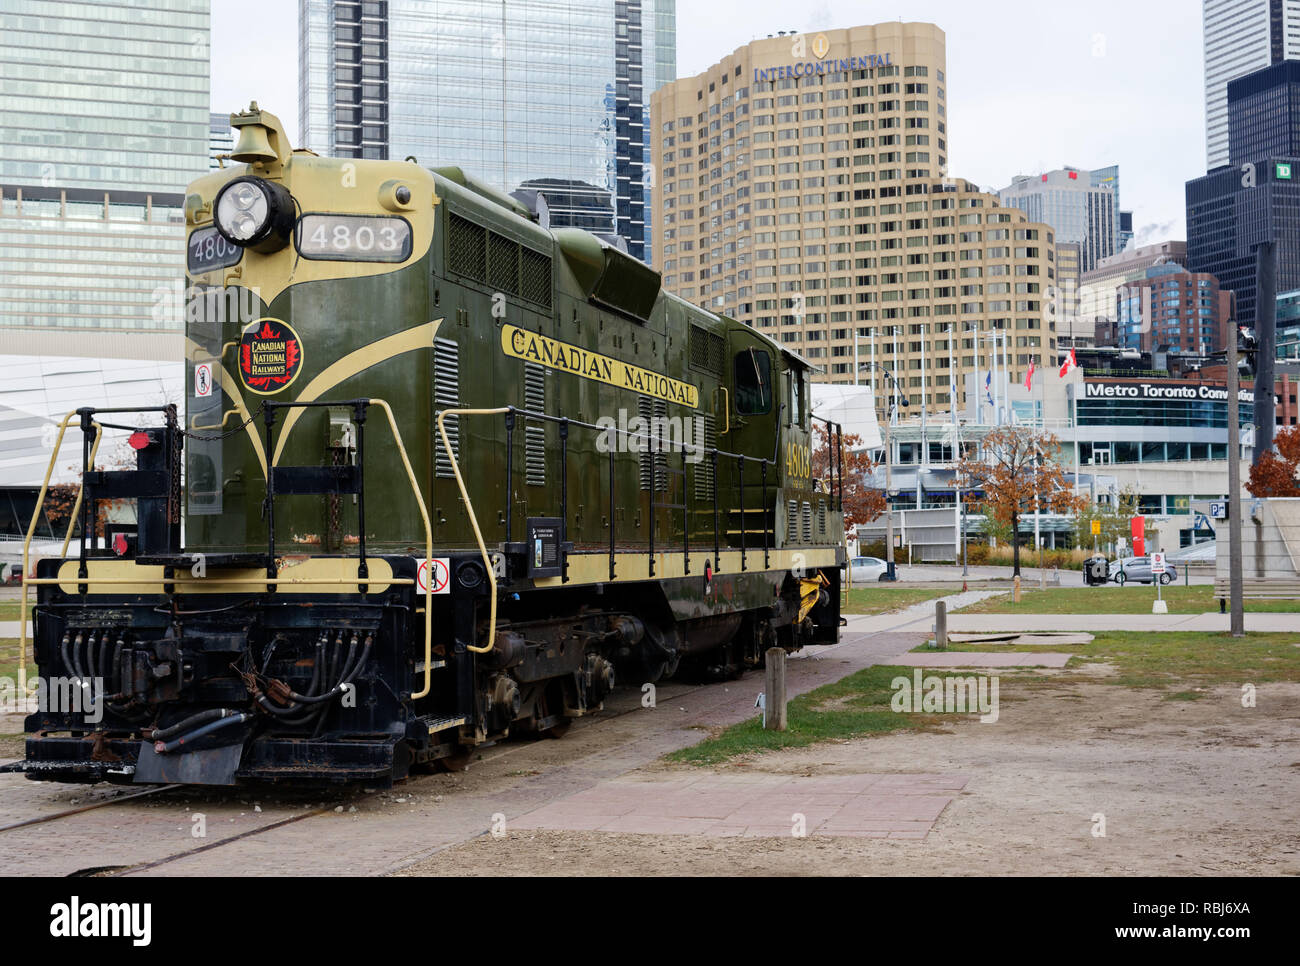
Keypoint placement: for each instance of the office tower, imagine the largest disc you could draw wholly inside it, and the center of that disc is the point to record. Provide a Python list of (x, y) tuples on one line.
[(511, 93), (1240, 37), (1083, 207), (805, 192)]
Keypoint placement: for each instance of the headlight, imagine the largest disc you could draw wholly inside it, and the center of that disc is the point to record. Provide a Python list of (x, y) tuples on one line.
[(254, 213)]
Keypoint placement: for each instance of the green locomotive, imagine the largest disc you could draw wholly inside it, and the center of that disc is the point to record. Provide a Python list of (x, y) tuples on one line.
[(447, 475)]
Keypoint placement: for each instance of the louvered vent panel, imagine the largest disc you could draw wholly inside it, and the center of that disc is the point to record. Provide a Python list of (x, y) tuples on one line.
[(821, 518), (466, 247), (534, 431), (703, 470), (652, 463), (446, 395), (807, 523), (792, 522)]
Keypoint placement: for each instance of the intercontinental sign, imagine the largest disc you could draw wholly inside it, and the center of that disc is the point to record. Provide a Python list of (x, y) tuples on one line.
[(812, 67)]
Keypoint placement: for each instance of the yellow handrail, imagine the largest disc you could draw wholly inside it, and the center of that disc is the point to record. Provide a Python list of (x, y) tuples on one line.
[(473, 520), (76, 507), (194, 423), (428, 554), (31, 532)]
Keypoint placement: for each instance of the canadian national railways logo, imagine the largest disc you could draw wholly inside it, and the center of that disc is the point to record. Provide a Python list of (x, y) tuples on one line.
[(270, 356)]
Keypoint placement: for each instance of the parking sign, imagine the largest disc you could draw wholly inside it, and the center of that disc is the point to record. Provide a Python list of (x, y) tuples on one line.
[(1157, 563)]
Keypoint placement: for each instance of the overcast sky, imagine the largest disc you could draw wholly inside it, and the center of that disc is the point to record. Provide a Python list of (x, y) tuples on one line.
[(1032, 85)]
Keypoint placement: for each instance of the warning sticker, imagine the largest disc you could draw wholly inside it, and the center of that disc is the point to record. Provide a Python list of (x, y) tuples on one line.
[(441, 576), (203, 379)]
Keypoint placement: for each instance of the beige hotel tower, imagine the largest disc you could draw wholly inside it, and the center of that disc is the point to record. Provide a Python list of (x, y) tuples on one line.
[(802, 188)]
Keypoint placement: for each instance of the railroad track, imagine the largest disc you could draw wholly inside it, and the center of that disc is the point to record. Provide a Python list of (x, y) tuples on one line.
[(491, 754)]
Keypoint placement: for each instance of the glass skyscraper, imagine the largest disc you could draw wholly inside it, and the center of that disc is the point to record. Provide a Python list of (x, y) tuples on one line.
[(103, 123), (510, 92), (1083, 207)]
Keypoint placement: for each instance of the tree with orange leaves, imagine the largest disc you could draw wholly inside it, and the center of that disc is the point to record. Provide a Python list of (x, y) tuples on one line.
[(1018, 475), (1278, 473), (862, 502)]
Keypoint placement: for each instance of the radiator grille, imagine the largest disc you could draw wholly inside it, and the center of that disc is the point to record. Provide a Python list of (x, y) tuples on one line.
[(792, 522), (496, 261), (535, 276), (706, 349), (466, 247), (503, 264), (807, 523)]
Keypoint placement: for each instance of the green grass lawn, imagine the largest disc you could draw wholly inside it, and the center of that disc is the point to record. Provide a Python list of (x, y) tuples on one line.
[(9, 610), (1131, 599), (1182, 665), (886, 598), (855, 706)]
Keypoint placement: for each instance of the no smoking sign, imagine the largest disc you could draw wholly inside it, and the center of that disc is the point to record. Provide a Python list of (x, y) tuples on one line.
[(441, 576)]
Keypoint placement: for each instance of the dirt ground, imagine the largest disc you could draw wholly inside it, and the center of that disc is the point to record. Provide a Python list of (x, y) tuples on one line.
[(1195, 787)]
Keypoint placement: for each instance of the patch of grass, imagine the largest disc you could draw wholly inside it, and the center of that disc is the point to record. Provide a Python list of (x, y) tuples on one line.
[(12, 746), (883, 599), (1185, 696), (1111, 599), (9, 610), (9, 658), (849, 708)]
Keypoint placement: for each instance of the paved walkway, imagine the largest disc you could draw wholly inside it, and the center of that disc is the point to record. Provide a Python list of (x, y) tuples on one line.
[(754, 806), (920, 618), (982, 659)]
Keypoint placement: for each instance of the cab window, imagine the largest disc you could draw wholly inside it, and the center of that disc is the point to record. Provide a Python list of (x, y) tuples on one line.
[(753, 382)]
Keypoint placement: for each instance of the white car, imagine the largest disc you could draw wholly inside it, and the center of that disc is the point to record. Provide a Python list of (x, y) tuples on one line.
[(868, 569)]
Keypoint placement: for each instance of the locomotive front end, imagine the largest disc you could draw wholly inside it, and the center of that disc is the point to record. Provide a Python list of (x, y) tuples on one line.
[(272, 644)]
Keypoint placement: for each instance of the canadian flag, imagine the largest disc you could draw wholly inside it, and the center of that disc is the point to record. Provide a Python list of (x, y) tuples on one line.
[(1070, 363), (1029, 376)]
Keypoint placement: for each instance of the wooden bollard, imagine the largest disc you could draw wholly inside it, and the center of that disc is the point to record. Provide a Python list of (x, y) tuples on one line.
[(774, 700), (940, 624), (1015, 592)]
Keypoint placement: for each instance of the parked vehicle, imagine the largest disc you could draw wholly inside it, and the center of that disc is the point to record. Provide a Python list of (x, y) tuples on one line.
[(1138, 570), (866, 569)]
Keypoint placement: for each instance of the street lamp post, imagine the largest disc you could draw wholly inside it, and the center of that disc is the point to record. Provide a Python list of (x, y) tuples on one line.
[(890, 571)]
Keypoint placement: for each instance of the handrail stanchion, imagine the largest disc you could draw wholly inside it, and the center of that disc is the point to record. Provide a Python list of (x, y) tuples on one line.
[(564, 499), (686, 515), (717, 545), (612, 509), (510, 468), (741, 476), (763, 516), (473, 520)]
